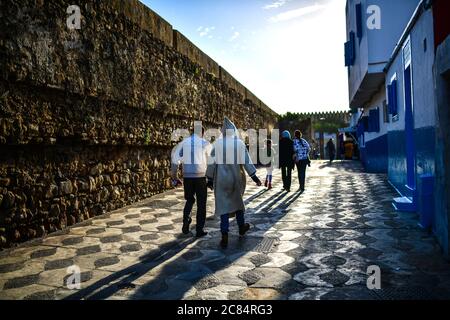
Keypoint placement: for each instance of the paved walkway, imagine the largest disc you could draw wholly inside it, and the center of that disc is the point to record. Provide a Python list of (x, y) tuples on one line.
[(315, 245)]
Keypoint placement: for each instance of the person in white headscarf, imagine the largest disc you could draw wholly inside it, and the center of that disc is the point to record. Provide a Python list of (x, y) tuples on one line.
[(225, 173)]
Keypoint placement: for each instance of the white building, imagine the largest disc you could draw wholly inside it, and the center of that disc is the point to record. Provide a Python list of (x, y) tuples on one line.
[(373, 29)]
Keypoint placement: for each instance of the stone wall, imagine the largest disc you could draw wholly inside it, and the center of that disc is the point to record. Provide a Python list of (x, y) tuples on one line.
[(86, 115), (441, 72)]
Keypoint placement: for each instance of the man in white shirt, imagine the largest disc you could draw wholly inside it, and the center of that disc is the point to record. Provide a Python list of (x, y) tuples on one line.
[(193, 154)]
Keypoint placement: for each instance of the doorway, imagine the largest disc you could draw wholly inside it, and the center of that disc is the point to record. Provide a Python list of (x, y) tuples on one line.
[(409, 122), (409, 131)]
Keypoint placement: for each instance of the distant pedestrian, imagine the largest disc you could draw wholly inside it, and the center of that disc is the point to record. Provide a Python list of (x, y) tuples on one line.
[(348, 150), (301, 157), (270, 152), (192, 153), (286, 149), (331, 149), (229, 159)]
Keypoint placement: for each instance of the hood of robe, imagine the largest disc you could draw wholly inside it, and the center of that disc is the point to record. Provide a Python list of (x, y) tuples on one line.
[(228, 128)]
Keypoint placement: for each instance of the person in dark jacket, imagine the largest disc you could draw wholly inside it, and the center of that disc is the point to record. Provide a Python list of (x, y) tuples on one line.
[(286, 150), (331, 150)]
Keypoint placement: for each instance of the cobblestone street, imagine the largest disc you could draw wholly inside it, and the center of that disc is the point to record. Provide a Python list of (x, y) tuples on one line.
[(315, 245)]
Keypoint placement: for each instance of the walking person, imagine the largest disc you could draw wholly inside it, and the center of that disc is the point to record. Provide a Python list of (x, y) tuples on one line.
[(286, 149), (226, 176), (270, 151), (192, 153), (301, 156), (331, 149)]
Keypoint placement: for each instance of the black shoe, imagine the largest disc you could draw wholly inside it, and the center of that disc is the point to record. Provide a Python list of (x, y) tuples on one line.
[(224, 241), (201, 234), (186, 226), (243, 229)]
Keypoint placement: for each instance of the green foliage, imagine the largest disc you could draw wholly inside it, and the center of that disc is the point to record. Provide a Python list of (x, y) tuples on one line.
[(291, 116), (147, 137), (196, 71), (322, 122), (330, 127)]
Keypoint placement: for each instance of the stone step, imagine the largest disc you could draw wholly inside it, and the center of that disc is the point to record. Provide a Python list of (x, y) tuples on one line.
[(404, 204)]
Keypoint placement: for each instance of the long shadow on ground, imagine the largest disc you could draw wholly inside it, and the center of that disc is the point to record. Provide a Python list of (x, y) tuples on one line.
[(186, 275)]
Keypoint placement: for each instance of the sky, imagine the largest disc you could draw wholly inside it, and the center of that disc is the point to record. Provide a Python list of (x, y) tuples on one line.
[(289, 53)]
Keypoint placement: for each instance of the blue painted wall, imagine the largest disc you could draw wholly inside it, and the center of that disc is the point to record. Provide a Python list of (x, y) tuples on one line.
[(376, 155), (397, 159), (425, 150), (425, 153), (362, 157), (423, 107)]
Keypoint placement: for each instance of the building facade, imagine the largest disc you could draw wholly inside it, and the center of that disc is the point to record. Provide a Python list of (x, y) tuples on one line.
[(411, 101), (373, 29), (403, 129)]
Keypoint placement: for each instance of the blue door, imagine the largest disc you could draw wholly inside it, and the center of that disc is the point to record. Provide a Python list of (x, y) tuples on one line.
[(409, 131)]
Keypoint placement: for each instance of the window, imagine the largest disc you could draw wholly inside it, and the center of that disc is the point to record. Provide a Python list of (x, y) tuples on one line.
[(393, 100), (350, 50), (365, 123), (360, 129), (359, 19), (385, 112), (374, 120)]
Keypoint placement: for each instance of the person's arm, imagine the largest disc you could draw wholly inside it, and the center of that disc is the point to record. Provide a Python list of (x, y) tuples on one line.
[(308, 146), (177, 155), (211, 168), (250, 167), (207, 147), (296, 147)]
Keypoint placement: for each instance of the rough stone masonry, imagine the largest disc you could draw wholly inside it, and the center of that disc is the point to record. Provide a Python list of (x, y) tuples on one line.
[(86, 115)]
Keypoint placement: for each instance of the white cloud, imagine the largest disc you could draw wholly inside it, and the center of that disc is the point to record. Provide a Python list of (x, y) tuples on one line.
[(234, 36), (199, 29), (296, 13), (275, 4), (290, 75), (306, 74), (205, 31)]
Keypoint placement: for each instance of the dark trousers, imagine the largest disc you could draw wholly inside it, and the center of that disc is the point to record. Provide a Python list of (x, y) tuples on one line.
[(225, 221), (332, 157), (195, 188), (286, 175), (301, 168)]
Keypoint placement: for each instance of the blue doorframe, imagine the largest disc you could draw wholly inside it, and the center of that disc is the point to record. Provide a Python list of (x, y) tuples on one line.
[(409, 131)]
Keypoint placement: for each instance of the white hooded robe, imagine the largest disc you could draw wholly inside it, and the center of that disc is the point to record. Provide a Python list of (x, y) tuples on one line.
[(229, 159)]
